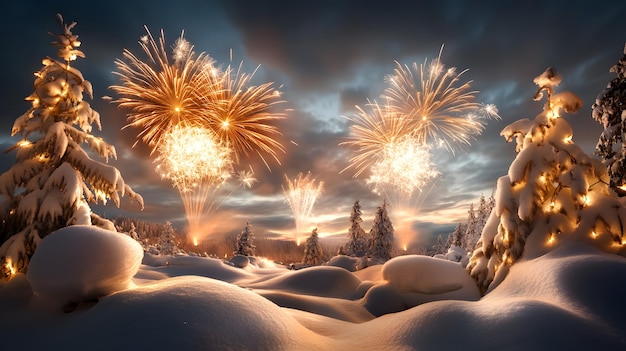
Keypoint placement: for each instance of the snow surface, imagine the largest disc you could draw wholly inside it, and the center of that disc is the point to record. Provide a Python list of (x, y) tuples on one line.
[(568, 298), (80, 263)]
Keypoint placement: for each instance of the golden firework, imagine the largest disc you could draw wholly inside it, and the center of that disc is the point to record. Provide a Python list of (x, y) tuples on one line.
[(240, 113), (436, 105), (162, 92)]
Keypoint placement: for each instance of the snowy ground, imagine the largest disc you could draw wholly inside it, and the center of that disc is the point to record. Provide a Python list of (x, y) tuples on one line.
[(570, 298)]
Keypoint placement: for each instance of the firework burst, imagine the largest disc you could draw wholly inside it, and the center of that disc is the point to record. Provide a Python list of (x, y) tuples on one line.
[(436, 105), (240, 114), (162, 92), (425, 106), (198, 165), (301, 194), (404, 165)]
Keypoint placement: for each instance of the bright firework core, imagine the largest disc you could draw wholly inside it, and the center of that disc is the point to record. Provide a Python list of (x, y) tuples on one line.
[(198, 166)]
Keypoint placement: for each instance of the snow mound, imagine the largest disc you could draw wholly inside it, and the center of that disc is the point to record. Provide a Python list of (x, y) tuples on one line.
[(424, 274), (348, 263), (175, 266), (240, 261), (413, 280), (181, 313), (79, 263), (321, 281)]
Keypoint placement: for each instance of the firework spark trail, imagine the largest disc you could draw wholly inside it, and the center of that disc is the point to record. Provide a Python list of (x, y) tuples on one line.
[(198, 165), (200, 119), (301, 194)]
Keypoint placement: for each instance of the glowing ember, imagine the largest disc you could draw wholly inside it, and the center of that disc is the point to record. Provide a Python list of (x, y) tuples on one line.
[(8, 263), (301, 194)]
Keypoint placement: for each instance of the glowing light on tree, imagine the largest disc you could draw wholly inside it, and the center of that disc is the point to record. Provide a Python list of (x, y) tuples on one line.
[(301, 194)]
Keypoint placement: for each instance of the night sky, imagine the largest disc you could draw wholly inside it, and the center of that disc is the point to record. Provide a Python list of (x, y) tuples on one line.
[(327, 57)]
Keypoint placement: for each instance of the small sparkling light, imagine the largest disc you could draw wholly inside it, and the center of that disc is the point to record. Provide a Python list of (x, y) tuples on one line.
[(24, 143), (594, 234), (8, 263)]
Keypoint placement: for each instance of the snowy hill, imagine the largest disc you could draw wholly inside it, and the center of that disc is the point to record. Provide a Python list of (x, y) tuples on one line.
[(568, 298)]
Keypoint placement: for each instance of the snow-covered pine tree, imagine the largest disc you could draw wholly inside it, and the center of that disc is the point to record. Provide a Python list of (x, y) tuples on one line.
[(54, 179), (609, 110), (456, 237), (313, 254), (357, 242), (245, 242), (380, 245), (472, 230), (167, 242), (440, 246), (132, 232), (553, 194)]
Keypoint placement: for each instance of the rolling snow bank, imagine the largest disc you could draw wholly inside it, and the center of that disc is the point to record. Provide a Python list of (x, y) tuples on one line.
[(568, 298), (412, 280), (79, 263)]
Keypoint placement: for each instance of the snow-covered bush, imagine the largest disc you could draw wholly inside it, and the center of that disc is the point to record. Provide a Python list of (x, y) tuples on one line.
[(609, 110), (54, 179), (553, 193)]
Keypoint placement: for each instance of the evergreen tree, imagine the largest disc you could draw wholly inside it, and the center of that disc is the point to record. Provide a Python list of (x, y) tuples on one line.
[(357, 242), (313, 254), (167, 242), (553, 193), (381, 238), (54, 179), (440, 246), (132, 232), (245, 242), (610, 111), (472, 232), (456, 237)]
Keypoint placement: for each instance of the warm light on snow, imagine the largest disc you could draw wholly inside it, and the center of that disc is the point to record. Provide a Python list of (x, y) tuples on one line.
[(8, 263)]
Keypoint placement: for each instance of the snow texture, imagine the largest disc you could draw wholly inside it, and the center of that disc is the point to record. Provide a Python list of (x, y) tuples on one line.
[(79, 263), (564, 299)]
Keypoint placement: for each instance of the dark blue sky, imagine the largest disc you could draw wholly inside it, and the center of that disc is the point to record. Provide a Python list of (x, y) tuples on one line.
[(329, 56)]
